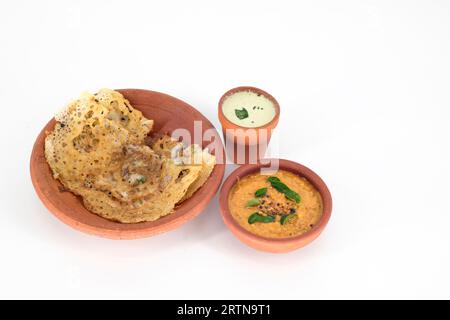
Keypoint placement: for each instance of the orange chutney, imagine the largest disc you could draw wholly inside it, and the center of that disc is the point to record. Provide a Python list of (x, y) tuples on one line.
[(274, 204)]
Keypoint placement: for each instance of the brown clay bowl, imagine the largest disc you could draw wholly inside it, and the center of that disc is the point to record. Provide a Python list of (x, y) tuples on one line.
[(236, 136), (169, 114), (268, 244)]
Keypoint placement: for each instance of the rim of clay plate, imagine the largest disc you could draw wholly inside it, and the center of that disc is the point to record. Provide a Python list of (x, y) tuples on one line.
[(227, 124), (275, 245)]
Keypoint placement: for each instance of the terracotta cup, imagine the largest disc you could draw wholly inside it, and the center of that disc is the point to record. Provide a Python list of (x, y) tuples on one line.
[(169, 114), (241, 146), (268, 244)]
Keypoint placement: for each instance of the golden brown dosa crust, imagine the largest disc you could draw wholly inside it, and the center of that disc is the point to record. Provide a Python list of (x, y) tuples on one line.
[(97, 151)]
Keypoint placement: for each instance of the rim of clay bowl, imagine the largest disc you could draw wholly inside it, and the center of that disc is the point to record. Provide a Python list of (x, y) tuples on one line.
[(226, 124), (275, 245)]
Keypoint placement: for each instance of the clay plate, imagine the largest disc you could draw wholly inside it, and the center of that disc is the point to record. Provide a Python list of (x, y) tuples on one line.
[(267, 244), (232, 149), (169, 114)]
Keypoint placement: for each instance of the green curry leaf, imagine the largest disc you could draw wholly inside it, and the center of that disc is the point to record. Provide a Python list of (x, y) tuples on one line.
[(281, 187), (252, 203), (241, 114), (287, 217), (260, 192), (256, 217)]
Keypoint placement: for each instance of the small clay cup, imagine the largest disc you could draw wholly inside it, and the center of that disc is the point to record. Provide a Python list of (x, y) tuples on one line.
[(239, 145), (268, 244)]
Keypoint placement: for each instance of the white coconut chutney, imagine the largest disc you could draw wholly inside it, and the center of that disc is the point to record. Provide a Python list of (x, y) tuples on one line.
[(248, 109)]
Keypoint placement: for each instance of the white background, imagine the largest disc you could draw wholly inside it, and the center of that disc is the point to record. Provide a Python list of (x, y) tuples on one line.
[(364, 91)]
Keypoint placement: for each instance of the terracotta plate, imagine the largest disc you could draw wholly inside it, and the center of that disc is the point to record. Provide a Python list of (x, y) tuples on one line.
[(169, 114)]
